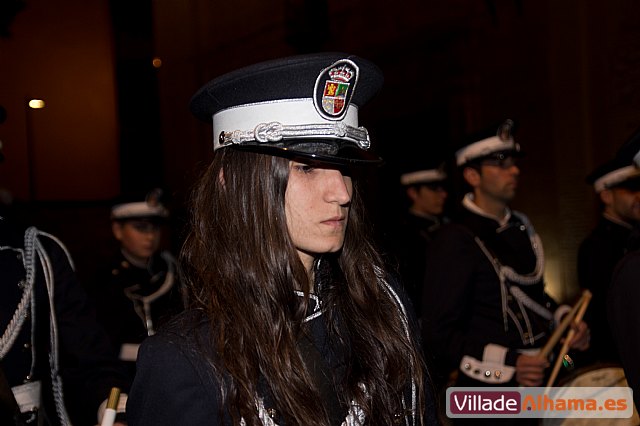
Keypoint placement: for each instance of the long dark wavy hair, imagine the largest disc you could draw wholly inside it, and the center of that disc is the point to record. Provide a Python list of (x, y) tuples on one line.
[(242, 268)]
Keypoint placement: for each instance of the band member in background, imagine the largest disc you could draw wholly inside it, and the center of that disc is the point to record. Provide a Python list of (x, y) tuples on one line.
[(425, 188), (485, 311), (623, 297), (617, 184), (294, 319), (139, 288), (56, 364)]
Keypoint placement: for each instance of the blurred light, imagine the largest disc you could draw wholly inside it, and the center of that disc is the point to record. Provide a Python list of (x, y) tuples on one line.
[(36, 103), (156, 62)]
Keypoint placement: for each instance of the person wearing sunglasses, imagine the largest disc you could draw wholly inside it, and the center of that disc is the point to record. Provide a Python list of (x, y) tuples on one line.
[(485, 311)]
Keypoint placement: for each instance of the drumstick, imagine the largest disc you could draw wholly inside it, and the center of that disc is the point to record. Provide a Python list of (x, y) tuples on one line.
[(559, 331), (570, 334), (109, 416)]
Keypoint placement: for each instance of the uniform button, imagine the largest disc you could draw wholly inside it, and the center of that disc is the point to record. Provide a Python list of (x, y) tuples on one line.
[(19, 256), (487, 373), (498, 374), (523, 228), (467, 366), (26, 346), (476, 371)]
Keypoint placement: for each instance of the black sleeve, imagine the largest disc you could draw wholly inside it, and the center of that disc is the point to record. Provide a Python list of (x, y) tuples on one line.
[(430, 401), (447, 296), (622, 311), (172, 387), (87, 365)]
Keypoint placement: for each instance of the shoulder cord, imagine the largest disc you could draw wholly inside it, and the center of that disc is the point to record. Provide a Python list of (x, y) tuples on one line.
[(499, 272), (538, 251), (17, 321), (537, 273), (33, 249), (505, 273)]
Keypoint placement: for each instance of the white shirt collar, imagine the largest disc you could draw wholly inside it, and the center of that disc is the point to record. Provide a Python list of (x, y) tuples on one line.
[(470, 205)]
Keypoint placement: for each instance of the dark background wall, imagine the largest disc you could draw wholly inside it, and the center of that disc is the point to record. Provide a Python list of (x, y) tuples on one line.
[(568, 72)]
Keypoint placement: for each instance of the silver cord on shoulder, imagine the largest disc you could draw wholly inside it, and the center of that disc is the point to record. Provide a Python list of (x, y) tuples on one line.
[(506, 273), (54, 361)]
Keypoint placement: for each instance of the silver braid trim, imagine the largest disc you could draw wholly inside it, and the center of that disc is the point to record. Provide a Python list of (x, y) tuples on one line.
[(17, 321), (536, 275), (34, 250), (523, 298), (405, 322), (275, 131), (503, 285), (49, 276), (355, 416)]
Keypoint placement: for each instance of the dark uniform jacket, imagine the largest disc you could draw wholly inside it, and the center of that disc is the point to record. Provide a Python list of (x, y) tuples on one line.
[(414, 237), (597, 257), (175, 386), (623, 303), (87, 369), (484, 299), (132, 302)]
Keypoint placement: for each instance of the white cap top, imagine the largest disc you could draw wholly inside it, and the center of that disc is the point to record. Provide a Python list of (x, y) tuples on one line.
[(615, 177), (423, 176), (139, 209), (485, 147)]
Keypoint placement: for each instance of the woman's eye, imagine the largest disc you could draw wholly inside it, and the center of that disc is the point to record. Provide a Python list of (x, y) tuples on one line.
[(304, 168)]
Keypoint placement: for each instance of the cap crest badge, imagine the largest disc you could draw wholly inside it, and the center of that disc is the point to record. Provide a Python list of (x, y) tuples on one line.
[(334, 88)]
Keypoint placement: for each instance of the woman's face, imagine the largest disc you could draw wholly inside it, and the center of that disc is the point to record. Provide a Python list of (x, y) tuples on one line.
[(316, 207)]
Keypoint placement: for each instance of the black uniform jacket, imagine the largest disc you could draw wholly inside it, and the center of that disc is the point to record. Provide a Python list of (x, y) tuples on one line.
[(119, 292), (87, 367), (410, 246), (623, 311), (597, 257), (175, 385), (472, 321)]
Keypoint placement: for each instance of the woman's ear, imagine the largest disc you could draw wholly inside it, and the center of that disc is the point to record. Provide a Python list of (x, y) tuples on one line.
[(221, 177)]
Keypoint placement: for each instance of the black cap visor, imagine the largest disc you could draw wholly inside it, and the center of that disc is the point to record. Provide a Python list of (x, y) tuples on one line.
[(329, 151)]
